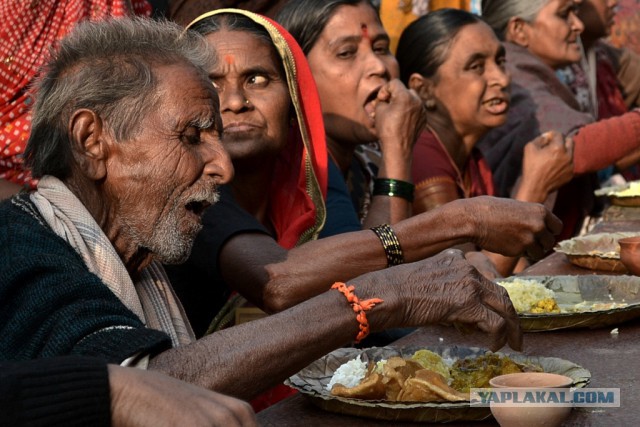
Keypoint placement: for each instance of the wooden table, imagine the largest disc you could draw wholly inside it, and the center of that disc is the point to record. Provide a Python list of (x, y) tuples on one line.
[(614, 360)]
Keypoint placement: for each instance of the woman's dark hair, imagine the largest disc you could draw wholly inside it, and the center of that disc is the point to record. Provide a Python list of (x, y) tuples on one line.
[(232, 22), (424, 44), (306, 19)]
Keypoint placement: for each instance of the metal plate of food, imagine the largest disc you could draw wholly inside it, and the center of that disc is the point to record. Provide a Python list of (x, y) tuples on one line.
[(473, 366), (627, 194), (599, 251), (559, 302)]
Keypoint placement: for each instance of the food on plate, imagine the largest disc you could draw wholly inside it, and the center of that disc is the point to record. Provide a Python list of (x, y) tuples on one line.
[(631, 189), (475, 372), (423, 377), (530, 296)]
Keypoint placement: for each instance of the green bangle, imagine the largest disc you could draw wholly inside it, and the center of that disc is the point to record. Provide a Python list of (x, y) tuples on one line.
[(393, 188), (390, 244)]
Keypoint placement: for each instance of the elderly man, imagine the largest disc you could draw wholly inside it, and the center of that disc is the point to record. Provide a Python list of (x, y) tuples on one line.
[(126, 141)]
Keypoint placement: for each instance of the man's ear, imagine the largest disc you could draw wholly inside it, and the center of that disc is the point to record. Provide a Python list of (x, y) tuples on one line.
[(517, 32), (89, 143), (425, 89)]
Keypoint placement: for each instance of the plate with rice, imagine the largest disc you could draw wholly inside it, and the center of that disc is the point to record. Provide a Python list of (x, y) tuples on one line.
[(627, 194), (560, 302), (348, 366)]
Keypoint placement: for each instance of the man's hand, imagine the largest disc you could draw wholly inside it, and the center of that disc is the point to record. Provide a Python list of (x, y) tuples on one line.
[(151, 399), (510, 227), (447, 289)]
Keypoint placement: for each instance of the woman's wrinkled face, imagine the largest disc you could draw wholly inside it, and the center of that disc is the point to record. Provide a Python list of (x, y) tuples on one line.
[(553, 35), (472, 84), (350, 62), (254, 97)]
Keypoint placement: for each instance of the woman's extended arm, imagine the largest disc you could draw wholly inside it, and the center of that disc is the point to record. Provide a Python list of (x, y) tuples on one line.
[(275, 279)]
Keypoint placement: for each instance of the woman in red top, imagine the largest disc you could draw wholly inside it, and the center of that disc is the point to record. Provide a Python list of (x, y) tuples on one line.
[(456, 64)]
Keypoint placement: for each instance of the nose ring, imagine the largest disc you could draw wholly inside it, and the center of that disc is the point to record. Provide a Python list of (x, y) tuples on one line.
[(246, 101)]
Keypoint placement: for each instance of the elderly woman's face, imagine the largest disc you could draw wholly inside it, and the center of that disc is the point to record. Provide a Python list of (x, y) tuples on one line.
[(350, 63), (254, 98), (161, 180), (553, 35), (472, 84)]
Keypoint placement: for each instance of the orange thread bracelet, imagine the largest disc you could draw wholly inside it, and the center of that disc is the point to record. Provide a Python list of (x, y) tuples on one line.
[(359, 307)]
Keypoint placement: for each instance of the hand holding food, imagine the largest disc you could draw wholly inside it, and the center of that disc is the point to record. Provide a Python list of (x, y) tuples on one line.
[(447, 289), (547, 165), (399, 117), (510, 227)]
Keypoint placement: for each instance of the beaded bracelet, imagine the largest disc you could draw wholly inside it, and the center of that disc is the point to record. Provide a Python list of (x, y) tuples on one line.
[(393, 188), (390, 244), (359, 307)]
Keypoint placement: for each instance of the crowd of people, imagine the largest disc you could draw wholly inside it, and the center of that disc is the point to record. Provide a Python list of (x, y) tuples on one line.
[(159, 173)]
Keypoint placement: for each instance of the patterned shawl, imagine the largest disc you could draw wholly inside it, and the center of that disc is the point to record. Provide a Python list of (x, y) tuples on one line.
[(299, 184), (151, 298), (28, 29)]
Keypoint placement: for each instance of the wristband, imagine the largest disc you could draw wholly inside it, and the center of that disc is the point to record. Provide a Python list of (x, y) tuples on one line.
[(359, 307), (393, 188), (390, 244)]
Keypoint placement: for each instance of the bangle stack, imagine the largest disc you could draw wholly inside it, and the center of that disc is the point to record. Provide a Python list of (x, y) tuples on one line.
[(359, 307), (390, 244), (393, 188)]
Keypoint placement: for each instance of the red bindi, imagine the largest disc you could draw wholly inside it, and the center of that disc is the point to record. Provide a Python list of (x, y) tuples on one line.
[(229, 59), (365, 31)]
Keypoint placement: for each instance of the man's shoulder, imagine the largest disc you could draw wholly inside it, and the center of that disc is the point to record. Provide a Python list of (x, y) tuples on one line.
[(25, 234)]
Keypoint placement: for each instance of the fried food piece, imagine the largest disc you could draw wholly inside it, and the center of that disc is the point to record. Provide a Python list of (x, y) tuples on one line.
[(370, 388), (429, 386), (395, 372)]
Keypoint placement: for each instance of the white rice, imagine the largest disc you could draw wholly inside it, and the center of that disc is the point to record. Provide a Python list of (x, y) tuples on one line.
[(349, 374), (524, 294)]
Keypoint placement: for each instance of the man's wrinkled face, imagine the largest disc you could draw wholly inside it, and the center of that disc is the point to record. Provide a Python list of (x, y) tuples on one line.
[(160, 181)]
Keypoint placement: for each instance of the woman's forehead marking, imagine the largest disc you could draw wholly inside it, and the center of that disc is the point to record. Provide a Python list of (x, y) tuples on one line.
[(365, 31)]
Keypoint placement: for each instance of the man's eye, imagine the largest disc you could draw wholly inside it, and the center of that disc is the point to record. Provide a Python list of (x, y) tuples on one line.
[(192, 136)]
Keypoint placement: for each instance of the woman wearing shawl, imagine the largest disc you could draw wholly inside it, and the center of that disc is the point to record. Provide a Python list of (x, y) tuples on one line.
[(453, 60), (21, 56), (540, 37)]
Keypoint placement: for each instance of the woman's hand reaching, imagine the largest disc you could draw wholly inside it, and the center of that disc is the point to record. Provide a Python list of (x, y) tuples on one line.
[(547, 165)]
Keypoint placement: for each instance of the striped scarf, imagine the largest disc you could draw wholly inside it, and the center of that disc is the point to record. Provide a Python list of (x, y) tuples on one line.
[(151, 298)]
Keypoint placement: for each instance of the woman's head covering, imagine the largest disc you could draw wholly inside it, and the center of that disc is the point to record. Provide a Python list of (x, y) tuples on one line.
[(497, 13), (299, 185)]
